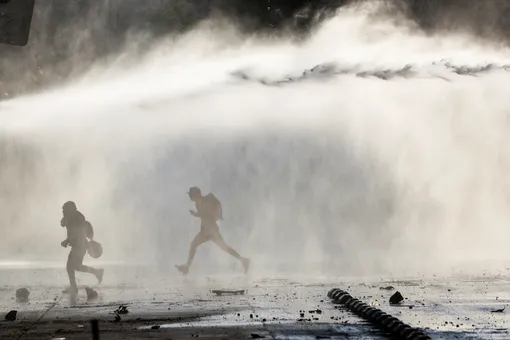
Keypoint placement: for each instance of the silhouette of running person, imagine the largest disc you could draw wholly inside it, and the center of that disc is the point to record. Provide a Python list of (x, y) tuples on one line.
[(209, 211), (78, 230)]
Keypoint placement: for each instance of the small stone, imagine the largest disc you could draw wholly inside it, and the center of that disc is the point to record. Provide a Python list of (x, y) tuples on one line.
[(22, 294), (121, 310), (396, 298), (11, 316)]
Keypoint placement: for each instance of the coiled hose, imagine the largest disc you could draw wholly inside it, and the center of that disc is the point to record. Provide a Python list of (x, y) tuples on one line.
[(393, 326)]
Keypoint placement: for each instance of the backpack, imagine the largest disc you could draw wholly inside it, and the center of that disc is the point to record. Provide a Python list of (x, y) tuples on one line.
[(214, 205), (89, 231)]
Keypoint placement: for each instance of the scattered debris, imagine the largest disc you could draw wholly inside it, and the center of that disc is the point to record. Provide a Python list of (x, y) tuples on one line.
[(22, 294), (11, 316), (91, 294), (221, 292), (396, 298), (121, 310), (387, 288), (499, 310)]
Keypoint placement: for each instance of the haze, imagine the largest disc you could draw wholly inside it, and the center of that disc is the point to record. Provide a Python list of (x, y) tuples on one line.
[(337, 174)]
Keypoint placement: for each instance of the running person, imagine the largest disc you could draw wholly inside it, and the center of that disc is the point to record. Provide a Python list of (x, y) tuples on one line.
[(209, 211), (78, 230)]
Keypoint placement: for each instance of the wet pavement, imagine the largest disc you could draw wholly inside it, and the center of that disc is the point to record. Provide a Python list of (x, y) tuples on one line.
[(274, 308)]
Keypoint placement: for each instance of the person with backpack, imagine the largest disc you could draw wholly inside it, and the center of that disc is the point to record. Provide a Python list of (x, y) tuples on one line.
[(209, 211), (78, 230)]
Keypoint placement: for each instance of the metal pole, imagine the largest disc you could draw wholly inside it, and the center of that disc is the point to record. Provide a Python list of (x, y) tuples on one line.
[(95, 329)]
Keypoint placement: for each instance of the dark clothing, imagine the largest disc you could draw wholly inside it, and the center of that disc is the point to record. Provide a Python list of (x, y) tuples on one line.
[(75, 224)]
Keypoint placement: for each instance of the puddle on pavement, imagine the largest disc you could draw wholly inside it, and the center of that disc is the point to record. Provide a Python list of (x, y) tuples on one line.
[(216, 323), (226, 320)]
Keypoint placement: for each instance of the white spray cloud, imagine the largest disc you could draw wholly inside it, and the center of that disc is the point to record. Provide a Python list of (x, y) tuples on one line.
[(342, 175)]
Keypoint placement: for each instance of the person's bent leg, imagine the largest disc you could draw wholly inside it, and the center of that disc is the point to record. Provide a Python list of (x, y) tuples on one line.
[(97, 272), (220, 242), (80, 267)]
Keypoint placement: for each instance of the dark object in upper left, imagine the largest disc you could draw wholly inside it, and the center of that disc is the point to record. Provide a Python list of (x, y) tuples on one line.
[(15, 21)]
